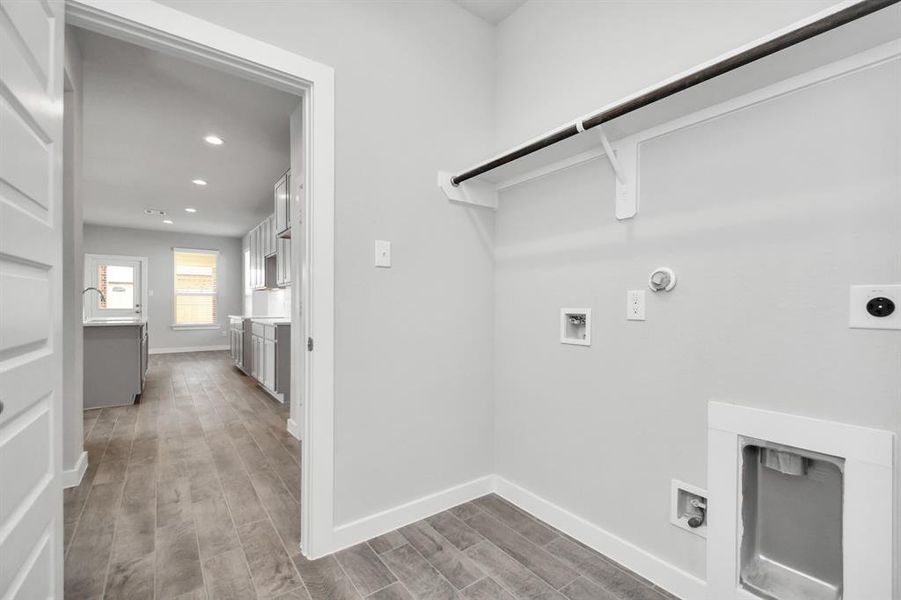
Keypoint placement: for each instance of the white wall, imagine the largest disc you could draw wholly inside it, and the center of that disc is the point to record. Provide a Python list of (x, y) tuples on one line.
[(73, 265), (414, 85), (559, 60), (767, 216), (157, 247)]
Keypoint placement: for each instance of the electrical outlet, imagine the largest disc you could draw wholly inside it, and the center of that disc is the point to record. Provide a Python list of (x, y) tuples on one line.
[(875, 307), (635, 305)]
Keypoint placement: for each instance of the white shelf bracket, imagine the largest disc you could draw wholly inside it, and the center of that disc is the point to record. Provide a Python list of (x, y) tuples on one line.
[(473, 193), (624, 160)]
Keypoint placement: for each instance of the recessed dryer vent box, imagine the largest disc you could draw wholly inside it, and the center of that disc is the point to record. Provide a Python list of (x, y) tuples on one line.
[(792, 520), (575, 326)]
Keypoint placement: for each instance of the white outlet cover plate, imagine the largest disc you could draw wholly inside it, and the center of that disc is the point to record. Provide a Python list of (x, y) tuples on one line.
[(859, 318), (635, 301), (383, 254)]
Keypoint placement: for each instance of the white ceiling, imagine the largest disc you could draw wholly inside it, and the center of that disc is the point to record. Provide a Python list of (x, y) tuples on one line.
[(493, 11), (145, 117)]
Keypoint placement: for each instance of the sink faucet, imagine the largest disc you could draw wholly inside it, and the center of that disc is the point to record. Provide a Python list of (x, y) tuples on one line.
[(102, 297)]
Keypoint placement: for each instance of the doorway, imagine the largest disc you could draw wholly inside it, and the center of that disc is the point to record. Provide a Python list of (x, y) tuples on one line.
[(115, 287), (312, 260)]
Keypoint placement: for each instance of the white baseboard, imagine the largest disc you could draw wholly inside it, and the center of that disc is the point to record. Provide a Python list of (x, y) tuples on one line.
[(187, 349), (72, 477), (394, 518), (294, 429), (651, 567)]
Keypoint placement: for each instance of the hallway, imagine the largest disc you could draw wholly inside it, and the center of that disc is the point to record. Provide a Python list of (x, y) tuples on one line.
[(196, 487)]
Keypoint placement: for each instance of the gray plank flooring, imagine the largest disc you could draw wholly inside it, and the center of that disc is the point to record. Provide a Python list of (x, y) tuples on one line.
[(195, 493)]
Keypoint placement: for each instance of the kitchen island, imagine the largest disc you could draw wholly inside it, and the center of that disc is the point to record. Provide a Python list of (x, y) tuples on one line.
[(115, 361)]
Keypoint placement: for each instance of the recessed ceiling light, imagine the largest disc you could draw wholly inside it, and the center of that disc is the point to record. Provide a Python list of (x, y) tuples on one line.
[(198, 182), (167, 221), (213, 140), (191, 210)]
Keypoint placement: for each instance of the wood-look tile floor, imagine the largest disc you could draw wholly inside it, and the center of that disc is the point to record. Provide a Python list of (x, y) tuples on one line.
[(194, 493)]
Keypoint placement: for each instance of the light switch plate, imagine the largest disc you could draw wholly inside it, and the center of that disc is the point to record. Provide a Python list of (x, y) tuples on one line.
[(635, 305), (383, 254), (860, 318)]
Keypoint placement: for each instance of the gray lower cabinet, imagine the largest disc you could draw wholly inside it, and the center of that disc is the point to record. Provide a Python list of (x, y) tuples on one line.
[(115, 362), (271, 357), (236, 341)]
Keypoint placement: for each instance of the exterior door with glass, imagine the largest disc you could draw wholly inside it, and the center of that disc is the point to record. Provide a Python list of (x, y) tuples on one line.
[(118, 283)]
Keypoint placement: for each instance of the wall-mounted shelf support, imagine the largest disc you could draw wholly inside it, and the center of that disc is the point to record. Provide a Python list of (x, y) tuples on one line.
[(624, 160), (473, 193)]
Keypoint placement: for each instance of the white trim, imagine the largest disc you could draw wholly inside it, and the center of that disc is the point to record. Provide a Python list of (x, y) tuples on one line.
[(72, 477), (169, 30), (194, 327), (867, 510), (410, 512), (178, 350), (294, 429), (653, 568)]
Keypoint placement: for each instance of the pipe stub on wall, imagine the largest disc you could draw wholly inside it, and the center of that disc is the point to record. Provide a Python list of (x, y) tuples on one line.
[(662, 279)]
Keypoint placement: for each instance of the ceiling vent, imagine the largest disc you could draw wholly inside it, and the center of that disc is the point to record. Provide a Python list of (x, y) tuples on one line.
[(155, 212)]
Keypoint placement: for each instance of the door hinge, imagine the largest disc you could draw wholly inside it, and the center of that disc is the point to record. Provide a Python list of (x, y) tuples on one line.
[(310, 344)]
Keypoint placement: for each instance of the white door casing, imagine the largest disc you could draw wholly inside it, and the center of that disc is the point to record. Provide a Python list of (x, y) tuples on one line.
[(300, 282), (154, 25), (31, 119)]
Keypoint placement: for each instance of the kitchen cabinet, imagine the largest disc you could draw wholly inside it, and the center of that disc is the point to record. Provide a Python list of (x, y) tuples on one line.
[(145, 354), (283, 262), (267, 257), (236, 341), (115, 361), (254, 244), (271, 343), (282, 214), (268, 375), (267, 230)]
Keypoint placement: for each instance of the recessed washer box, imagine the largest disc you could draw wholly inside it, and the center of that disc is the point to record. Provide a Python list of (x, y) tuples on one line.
[(575, 326)]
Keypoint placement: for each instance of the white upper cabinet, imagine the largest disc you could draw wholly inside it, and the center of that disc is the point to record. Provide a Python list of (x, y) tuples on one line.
[(282, 206), (270, 244)]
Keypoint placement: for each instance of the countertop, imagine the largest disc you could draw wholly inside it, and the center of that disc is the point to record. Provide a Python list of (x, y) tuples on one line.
[(117, 322), (271, 320), (264, 319)]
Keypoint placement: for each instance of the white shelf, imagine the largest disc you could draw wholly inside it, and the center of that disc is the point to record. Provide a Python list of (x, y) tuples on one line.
[(876, 30)]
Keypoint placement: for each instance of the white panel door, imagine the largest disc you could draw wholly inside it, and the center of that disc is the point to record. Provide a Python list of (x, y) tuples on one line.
[(31, 113)]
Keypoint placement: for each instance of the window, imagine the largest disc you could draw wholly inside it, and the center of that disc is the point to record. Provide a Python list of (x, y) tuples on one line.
[(195, 287), (117, 284)]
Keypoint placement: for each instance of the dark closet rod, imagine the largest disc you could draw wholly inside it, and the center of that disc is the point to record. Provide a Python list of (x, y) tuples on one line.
[(731, 63)]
